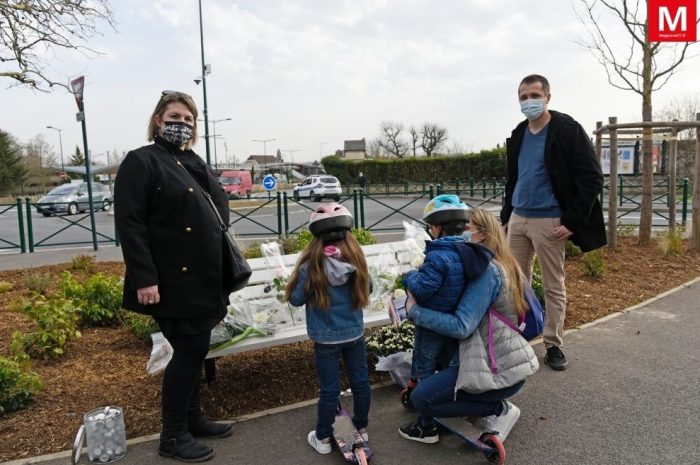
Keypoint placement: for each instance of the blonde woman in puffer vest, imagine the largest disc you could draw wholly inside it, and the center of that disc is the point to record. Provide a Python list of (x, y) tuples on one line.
[(476, 384)]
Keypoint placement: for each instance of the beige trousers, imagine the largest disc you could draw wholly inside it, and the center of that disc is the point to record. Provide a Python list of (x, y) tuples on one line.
[(530, 236)]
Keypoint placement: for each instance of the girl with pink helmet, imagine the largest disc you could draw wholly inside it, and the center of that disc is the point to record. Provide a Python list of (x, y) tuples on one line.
[(331, 278)]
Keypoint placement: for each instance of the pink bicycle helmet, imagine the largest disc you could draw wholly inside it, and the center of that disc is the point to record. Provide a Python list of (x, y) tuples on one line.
[(330, 221)]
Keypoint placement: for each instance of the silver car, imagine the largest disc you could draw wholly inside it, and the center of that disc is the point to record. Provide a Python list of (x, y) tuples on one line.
[(73, 198)]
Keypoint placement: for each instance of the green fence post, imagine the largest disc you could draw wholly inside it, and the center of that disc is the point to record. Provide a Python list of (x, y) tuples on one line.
[(471, 186), (117, 242), (457, 186), (367, 187), (406, 189), (30, 232), (685, 201), (362, 209), (279, 215), (20, 220), (423, 186), (354, 206), (386, 187), (621, 184), (483, 188), (286, 214), (430, 190)]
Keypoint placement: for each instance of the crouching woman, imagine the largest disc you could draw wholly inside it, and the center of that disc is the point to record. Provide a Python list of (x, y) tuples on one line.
[(493, 359)]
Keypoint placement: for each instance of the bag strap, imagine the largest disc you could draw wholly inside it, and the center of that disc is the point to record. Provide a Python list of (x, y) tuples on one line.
[(493, 313), (207, 195)]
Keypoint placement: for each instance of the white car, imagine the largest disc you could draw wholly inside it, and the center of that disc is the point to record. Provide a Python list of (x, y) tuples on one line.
[(317, 187)]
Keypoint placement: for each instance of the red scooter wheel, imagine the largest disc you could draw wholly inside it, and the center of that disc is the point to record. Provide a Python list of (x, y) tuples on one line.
[(497, 454)]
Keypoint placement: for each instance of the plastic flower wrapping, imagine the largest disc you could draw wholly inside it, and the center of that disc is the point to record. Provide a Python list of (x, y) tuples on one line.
[(386, 273), (282, 312)]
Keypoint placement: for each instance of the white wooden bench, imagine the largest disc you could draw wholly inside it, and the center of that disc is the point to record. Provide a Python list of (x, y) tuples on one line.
[(263, 275)]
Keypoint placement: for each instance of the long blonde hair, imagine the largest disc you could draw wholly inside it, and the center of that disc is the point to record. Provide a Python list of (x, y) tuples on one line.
[(317, 282), (485, 223), (162, 105)]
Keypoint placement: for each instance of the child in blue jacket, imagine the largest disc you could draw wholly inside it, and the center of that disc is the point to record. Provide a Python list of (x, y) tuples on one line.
[(450, 262), (331, 278)]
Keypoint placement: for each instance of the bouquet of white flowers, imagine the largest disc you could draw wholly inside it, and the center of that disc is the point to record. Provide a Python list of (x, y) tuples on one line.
[(390, 339), (272, 252)]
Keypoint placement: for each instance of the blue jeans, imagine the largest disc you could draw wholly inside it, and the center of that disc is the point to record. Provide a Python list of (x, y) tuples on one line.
[(328, 371), (431, 352), (435, 397)]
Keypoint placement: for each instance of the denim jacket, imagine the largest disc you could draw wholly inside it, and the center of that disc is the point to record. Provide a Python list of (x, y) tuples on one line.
[(339, 322), (440, 280)]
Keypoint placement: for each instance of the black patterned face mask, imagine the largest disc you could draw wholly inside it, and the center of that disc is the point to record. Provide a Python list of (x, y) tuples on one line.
[(177, 132)]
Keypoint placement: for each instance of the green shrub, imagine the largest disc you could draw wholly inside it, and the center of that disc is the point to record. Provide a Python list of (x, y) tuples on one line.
[(83, 262), (486, 164), (363, 236), (57, 321), (5, 286), (141, 326), (537, 285), (97, 300), (671, 242), (289, 244), (303, 239), (571, 250), (593, 264), (252, 251), (38, 282), (17, 387)]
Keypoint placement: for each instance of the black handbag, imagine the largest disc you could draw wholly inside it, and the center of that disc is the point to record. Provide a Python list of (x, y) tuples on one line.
[(237, 272)]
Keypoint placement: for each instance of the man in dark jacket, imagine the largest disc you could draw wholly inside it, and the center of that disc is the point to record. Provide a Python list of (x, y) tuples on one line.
[(554, 180)]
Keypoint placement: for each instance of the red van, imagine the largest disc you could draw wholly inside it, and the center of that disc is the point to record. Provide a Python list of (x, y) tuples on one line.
[(236, 184)]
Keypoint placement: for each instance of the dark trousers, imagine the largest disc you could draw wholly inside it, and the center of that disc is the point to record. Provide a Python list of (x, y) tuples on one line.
[(181, 382)]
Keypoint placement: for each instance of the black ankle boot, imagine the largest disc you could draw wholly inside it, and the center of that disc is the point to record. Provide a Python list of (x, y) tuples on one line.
[(184, 448), (202, 427)]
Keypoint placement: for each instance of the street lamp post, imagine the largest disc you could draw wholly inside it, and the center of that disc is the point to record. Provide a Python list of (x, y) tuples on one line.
[(291, 159), (264, 141), (213, 125), (205, 71), (60, 141)]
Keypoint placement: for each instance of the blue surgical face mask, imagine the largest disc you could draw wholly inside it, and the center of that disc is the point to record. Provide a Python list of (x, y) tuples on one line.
[(532, 108), (467, 235)]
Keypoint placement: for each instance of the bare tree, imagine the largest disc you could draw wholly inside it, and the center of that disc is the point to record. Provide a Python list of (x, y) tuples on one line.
[(635, 64), (682, 108), (30, 29), (390, 138), (415, 136), (432, 137), (374, 148), (39, 152)]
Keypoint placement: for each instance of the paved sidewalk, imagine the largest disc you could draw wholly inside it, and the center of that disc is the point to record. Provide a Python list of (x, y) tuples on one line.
[(628, 397)]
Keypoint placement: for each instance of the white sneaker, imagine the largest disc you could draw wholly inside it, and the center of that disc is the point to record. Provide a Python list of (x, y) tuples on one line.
[(503, 423), (364, 434), (322, 446)]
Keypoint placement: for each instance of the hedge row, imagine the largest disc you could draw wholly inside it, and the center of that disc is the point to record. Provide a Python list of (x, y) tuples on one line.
[(483, 164)]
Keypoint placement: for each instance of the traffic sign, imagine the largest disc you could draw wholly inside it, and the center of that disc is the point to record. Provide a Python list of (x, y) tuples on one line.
[(269, 182)]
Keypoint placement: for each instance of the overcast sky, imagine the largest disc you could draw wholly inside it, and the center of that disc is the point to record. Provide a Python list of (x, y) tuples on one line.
[(315, 71)]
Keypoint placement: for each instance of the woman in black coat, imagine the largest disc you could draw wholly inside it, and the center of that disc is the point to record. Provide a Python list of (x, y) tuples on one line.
[(172, 245)]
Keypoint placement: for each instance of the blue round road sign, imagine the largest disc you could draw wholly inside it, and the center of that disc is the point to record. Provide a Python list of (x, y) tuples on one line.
[(269, 182)]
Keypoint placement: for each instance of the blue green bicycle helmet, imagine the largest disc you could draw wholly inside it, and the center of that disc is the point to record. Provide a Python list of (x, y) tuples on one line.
[(445, 208)]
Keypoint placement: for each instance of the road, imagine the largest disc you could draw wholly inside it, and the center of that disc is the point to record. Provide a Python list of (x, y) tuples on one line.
[(381, 216)]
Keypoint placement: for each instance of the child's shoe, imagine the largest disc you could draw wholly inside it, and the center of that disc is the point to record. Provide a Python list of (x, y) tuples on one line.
[(322, 446), (503, 423), (416, 432), (363, 434)]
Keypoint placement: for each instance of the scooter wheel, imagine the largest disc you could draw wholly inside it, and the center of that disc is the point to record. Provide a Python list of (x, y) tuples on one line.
[(406, 398), (497, 453)]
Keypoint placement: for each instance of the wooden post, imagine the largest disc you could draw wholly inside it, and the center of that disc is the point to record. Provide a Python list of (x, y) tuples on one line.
[(695, 236), (673, 152), (599, 141), (612, 188)]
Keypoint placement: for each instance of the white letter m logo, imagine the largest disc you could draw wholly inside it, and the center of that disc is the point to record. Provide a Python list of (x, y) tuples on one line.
[(665, 18)]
